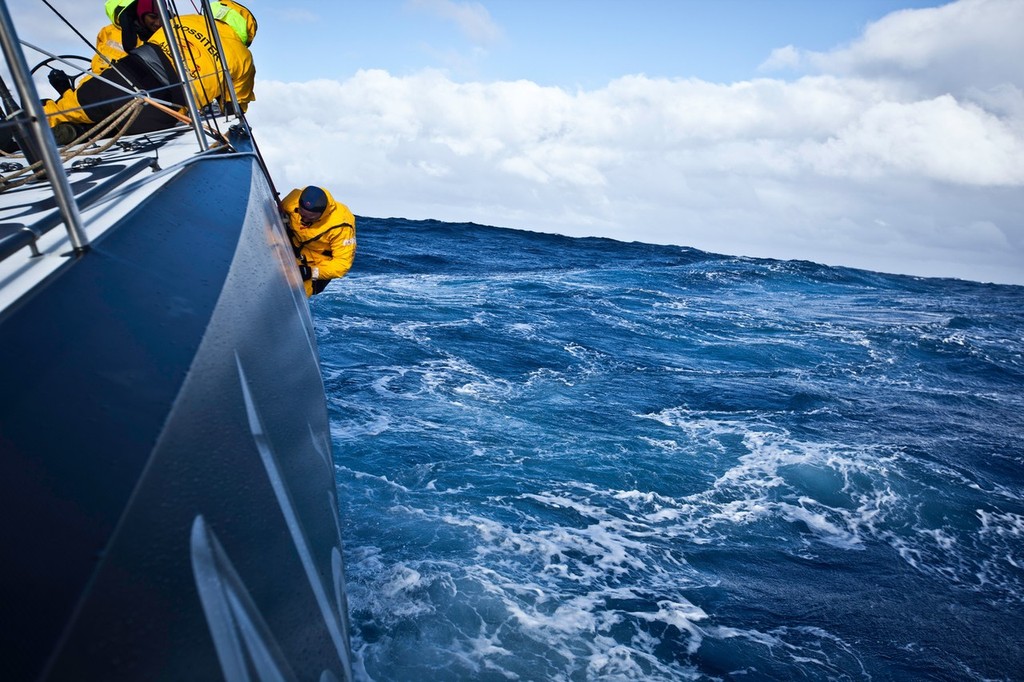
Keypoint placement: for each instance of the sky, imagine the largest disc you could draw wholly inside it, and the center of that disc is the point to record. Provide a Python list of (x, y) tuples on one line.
[(879, 134)]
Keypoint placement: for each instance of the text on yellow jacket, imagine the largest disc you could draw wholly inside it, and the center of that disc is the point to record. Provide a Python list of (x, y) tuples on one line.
[(200, 52)]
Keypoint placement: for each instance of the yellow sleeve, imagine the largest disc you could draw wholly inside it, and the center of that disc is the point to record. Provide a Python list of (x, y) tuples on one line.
[(240, 65), (288, 206), (343, 249), (65, 110)]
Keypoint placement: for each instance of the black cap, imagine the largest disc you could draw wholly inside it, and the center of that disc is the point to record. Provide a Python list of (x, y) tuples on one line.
[(313, 199)]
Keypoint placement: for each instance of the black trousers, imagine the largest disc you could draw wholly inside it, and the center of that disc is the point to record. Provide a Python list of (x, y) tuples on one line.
[(145, 68)]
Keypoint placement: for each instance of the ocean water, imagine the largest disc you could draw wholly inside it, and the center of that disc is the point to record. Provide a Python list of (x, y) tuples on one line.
[(581, 459)]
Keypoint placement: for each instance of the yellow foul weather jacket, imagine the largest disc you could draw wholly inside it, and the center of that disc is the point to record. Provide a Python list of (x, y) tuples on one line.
[(328, 246), (240, 66), (199, 51)]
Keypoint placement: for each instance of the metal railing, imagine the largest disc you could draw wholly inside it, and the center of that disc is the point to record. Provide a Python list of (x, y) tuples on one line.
[(36, 139), (41, 139)]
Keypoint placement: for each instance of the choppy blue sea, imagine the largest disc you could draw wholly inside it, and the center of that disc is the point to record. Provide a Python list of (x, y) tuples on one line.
[(582, 459)]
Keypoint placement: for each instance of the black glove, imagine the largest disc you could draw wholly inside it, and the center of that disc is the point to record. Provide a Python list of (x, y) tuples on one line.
[(60, 81), (307, 272)]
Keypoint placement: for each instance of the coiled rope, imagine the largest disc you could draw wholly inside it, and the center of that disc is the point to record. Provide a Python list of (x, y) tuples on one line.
[(114, 126)]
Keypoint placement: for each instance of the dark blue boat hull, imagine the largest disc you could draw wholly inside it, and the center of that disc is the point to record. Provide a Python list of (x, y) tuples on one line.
[(167, 486)]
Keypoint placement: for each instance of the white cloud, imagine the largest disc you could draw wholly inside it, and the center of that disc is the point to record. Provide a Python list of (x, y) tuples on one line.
[(855, 167), (957, 48), (787, 57), (939, 139), (472, 18)]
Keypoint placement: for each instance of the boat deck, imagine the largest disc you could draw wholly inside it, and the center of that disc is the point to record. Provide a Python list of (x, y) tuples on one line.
[(108, 180)]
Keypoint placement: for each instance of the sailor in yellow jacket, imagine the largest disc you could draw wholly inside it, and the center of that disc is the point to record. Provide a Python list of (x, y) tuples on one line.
[(323, 234), (200, 52)]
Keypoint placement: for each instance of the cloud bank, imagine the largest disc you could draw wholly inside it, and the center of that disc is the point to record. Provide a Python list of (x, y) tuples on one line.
[(901, 152)]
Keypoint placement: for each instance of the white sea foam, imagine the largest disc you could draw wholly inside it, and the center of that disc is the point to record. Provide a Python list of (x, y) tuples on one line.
[(590, 557), (374, 426), (663, 444), (374, 477), (841, 496), (820, 525), (819, 653), (1001, 524)]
